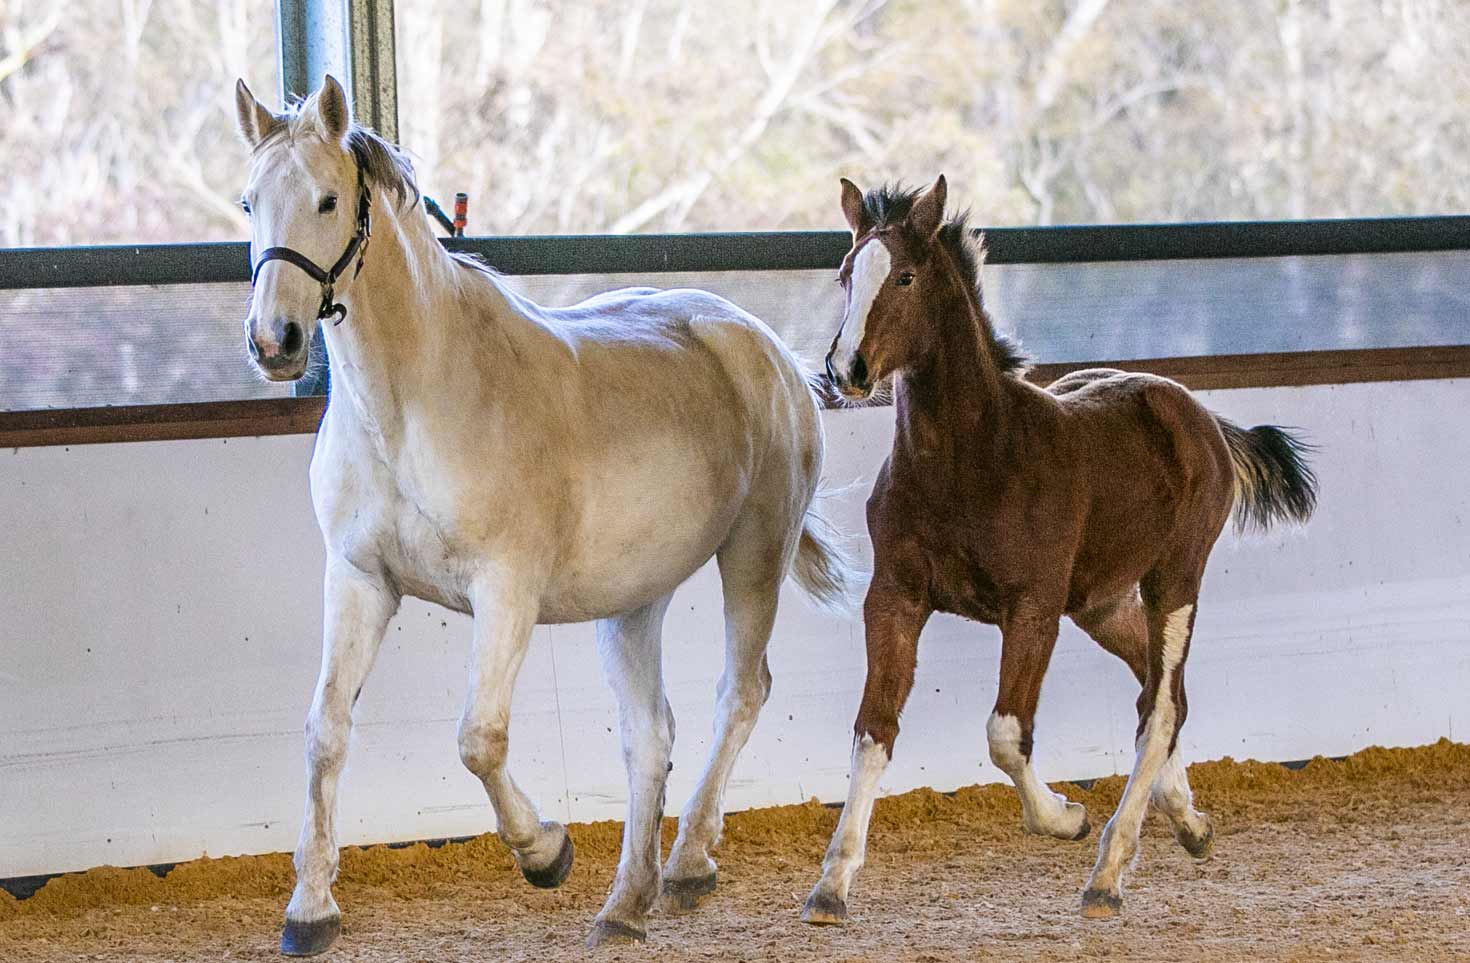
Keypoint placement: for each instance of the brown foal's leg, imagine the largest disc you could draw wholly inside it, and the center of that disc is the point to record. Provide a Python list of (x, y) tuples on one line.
[(1170, 611), (893, 622), (1028, 638), (1122, 629)]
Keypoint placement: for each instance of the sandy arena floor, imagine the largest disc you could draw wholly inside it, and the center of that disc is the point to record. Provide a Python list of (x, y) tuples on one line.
[(1366, 859)]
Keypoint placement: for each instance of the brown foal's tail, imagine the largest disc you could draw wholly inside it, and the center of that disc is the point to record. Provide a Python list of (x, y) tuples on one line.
[(822, 569), (1273, 482)]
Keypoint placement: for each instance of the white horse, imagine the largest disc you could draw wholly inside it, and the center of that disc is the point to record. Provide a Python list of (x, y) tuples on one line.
[(525, 465)]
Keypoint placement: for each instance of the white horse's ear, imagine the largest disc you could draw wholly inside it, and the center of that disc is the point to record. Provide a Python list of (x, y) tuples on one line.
[(252, 120), (852, 207), (927, 214), (333, 116)]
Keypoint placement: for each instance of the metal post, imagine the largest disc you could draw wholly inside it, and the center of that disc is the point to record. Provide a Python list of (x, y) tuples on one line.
[(353, 41), (374, 67), (312, 36)]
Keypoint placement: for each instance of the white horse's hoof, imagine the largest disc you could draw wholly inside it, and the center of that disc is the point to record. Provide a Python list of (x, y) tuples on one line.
[(605, 932), (1099, 905), (554, 873), (685, 895), (309, 939), (824, 909)]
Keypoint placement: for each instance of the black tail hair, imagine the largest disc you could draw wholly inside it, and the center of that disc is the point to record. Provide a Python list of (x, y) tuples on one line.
[(1273, 482)]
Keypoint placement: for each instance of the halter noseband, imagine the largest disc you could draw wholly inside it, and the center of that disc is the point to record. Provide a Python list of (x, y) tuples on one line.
[(357, 247)]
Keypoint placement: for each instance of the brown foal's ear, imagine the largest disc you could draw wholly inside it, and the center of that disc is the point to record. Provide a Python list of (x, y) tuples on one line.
[(927, 214), (852, 207), (333, 116), (252, 120)]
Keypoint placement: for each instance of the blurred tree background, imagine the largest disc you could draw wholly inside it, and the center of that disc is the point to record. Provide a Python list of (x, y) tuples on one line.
[(570, 116), (116, 116)]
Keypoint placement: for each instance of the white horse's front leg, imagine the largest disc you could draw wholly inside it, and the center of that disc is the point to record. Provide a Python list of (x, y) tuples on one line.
[(631, 651), (356, 611), (504, 619)]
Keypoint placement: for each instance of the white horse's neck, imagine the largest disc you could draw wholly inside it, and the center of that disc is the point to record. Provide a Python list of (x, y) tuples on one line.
[(413, 315)]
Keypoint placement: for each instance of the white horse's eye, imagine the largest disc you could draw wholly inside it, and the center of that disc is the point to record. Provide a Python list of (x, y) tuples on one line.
[(328, 204), (244, 205)]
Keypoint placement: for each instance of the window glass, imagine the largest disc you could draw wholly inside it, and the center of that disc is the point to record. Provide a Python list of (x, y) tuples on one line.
[(153, 345), (117, 118), (622, 116)]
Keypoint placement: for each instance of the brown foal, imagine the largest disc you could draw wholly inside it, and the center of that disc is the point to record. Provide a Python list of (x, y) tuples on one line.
[(1098, 498)]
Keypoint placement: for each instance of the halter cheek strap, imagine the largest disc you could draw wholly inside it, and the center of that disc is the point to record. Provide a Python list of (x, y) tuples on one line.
[(356, 248)]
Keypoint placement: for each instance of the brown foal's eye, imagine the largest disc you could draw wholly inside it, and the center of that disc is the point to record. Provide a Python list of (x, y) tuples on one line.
[(328, 204), (905, 279)]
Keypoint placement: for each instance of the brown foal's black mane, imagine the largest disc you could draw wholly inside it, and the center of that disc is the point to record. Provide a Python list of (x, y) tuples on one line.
[(889, 205)]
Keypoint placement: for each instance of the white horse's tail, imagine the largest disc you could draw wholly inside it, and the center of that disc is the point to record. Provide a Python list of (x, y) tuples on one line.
[(822, 569)]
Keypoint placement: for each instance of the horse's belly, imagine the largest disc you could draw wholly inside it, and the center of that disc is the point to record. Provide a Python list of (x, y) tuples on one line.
[(643, 531)]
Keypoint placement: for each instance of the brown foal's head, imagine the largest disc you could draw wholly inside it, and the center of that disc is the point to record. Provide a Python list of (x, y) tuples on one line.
[(889, 279)]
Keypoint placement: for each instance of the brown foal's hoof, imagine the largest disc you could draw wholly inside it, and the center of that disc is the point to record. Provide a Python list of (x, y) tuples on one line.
[(555, 873), (1097, 905), (685, 895), (309, 939), (823, 909), (1200, 847), (605, 932)]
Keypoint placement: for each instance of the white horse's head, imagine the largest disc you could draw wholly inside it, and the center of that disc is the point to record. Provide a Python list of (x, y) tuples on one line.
[(302, 195)]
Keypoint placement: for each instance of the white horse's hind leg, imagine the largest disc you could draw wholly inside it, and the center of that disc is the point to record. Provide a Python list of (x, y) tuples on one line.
[(631, 651), (356, 612), (1158, 727), (503, 623), (751, 571)]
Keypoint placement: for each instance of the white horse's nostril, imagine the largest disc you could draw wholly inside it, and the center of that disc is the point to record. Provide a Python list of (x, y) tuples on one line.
[(292, 339)]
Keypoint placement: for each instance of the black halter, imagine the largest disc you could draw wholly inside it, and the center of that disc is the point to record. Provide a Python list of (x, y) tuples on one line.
[(357, 247)]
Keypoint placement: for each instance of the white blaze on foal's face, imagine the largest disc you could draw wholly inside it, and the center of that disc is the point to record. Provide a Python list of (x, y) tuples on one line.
[(870, 271)]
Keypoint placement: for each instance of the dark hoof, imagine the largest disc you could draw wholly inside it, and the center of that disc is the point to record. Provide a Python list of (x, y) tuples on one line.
[(309, 939), (1097, 905), (1200, 847), (1082, 833), (606, 932), (823, 909), (684, 895), (555, 873)]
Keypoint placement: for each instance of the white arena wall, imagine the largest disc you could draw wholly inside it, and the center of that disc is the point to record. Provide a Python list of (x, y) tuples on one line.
[(160, 621)]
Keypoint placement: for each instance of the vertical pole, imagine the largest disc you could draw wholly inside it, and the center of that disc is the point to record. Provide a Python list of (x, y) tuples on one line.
[(374, 68), (312, 36), (353, 41)]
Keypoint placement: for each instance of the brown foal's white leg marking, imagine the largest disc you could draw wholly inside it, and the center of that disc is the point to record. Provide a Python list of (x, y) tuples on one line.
[(828, 900), (1174, 798), (1043, 812), (1119, 844)]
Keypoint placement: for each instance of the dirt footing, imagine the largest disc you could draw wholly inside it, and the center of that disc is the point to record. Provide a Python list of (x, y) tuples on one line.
[(1362, 859)]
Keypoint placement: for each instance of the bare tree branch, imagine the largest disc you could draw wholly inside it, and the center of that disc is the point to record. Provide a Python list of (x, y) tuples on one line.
[(29, 43)]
